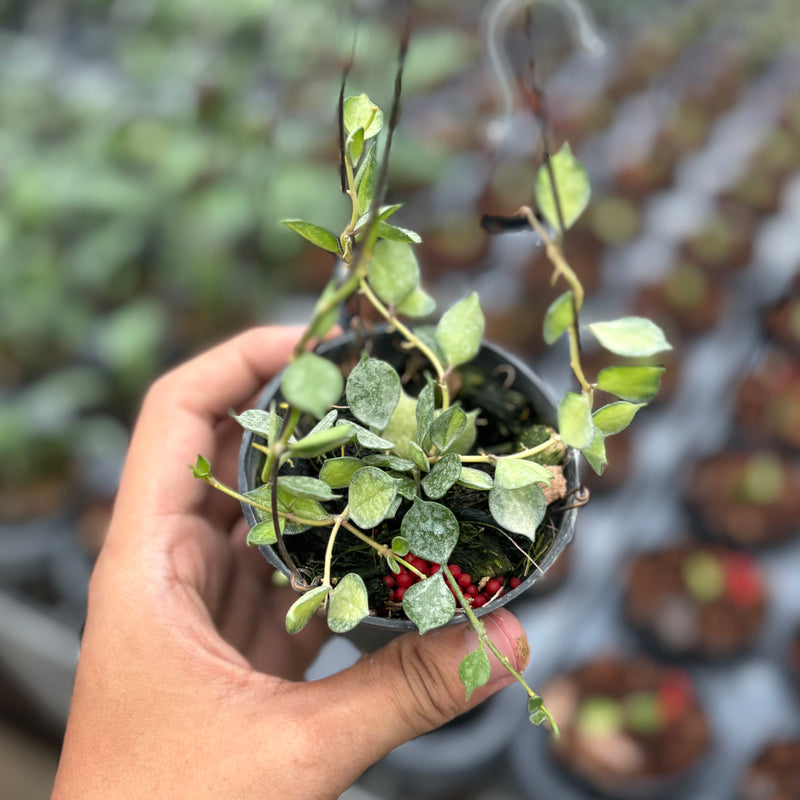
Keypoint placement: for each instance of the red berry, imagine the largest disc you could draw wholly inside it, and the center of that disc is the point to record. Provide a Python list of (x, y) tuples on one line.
[(392, 594), (434, 568), (742, 581), (471, 590), (455, 570), (398, 594), (422, 566), (513, 583), (674, 694), (404, 580), (388, 581), (464, 580), (492, 586), (479, 601)]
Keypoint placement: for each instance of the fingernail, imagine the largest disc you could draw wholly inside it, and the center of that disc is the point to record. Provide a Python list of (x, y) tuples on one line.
[(508, 636)]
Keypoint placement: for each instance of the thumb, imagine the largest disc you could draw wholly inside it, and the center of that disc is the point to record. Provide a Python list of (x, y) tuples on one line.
[(411, 686)]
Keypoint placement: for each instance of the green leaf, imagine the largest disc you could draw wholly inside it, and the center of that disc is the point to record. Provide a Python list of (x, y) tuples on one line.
[(441, 478), (460, 331), (258, 421), (393, 271), (704, 576), (312, 384), (361, 112), (537, 712), (393, 233), (463, 443), (575, 420), (636, 384), (417, 304), (615, 417), (512, 473), (366, 438), (518, 510), (447, 427), (370, 496), (355, 144), (321, 442), (572, 188), (474, 670), (643, 712), (402, 427), (631, 336), (303, 608), (373, 391), (429, 603), (264, 532), (201, 468), (327, 422), (304, 486), (426, 404), (475, 479), (419, 457), (431, 529), (302, 507), (348, 603), (560, 317), (388, 461), (384, 212), (321, 237), (337, 472), (595, 453), (400, 546), (406, 486), (366, 180)]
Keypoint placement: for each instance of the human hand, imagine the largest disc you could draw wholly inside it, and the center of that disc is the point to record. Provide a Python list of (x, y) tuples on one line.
[(188, 684)]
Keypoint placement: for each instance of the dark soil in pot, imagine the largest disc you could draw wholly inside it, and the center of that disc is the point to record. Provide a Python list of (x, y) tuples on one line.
[(746, 498), (774, 774), (702, 601), (511, 399), (629, 727)]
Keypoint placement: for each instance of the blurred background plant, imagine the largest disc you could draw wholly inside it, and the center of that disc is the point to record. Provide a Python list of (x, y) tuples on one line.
[(148, 150)]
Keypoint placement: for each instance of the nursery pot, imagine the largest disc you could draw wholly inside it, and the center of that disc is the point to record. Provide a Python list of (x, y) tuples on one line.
[(494, 365)]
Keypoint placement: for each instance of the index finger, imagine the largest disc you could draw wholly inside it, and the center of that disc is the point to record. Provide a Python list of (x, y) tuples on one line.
[(180, 412)]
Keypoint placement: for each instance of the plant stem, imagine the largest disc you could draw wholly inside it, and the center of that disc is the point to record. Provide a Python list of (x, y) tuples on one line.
[(411, 338), (487, 458), (482, 634), (288, 516), (337, 524), (562, 268), (382, 549)]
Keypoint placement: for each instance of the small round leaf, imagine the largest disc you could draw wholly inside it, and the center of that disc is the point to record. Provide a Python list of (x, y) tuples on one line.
[(370, 496), (431, 529), (312, 384), (575, 420), (572, 188), (303, 608), (631, 336), (373, 391), (518, 510), (348, 603), (393, 271), (429, 603), (460, 331), (441, 478)]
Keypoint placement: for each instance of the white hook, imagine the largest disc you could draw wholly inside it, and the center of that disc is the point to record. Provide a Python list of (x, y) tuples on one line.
[(497, 18)]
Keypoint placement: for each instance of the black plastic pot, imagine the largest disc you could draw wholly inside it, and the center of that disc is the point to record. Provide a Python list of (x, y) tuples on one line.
[(495, 364)]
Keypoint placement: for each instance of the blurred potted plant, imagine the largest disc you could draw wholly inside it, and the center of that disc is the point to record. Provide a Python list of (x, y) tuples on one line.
[(405, 477)]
